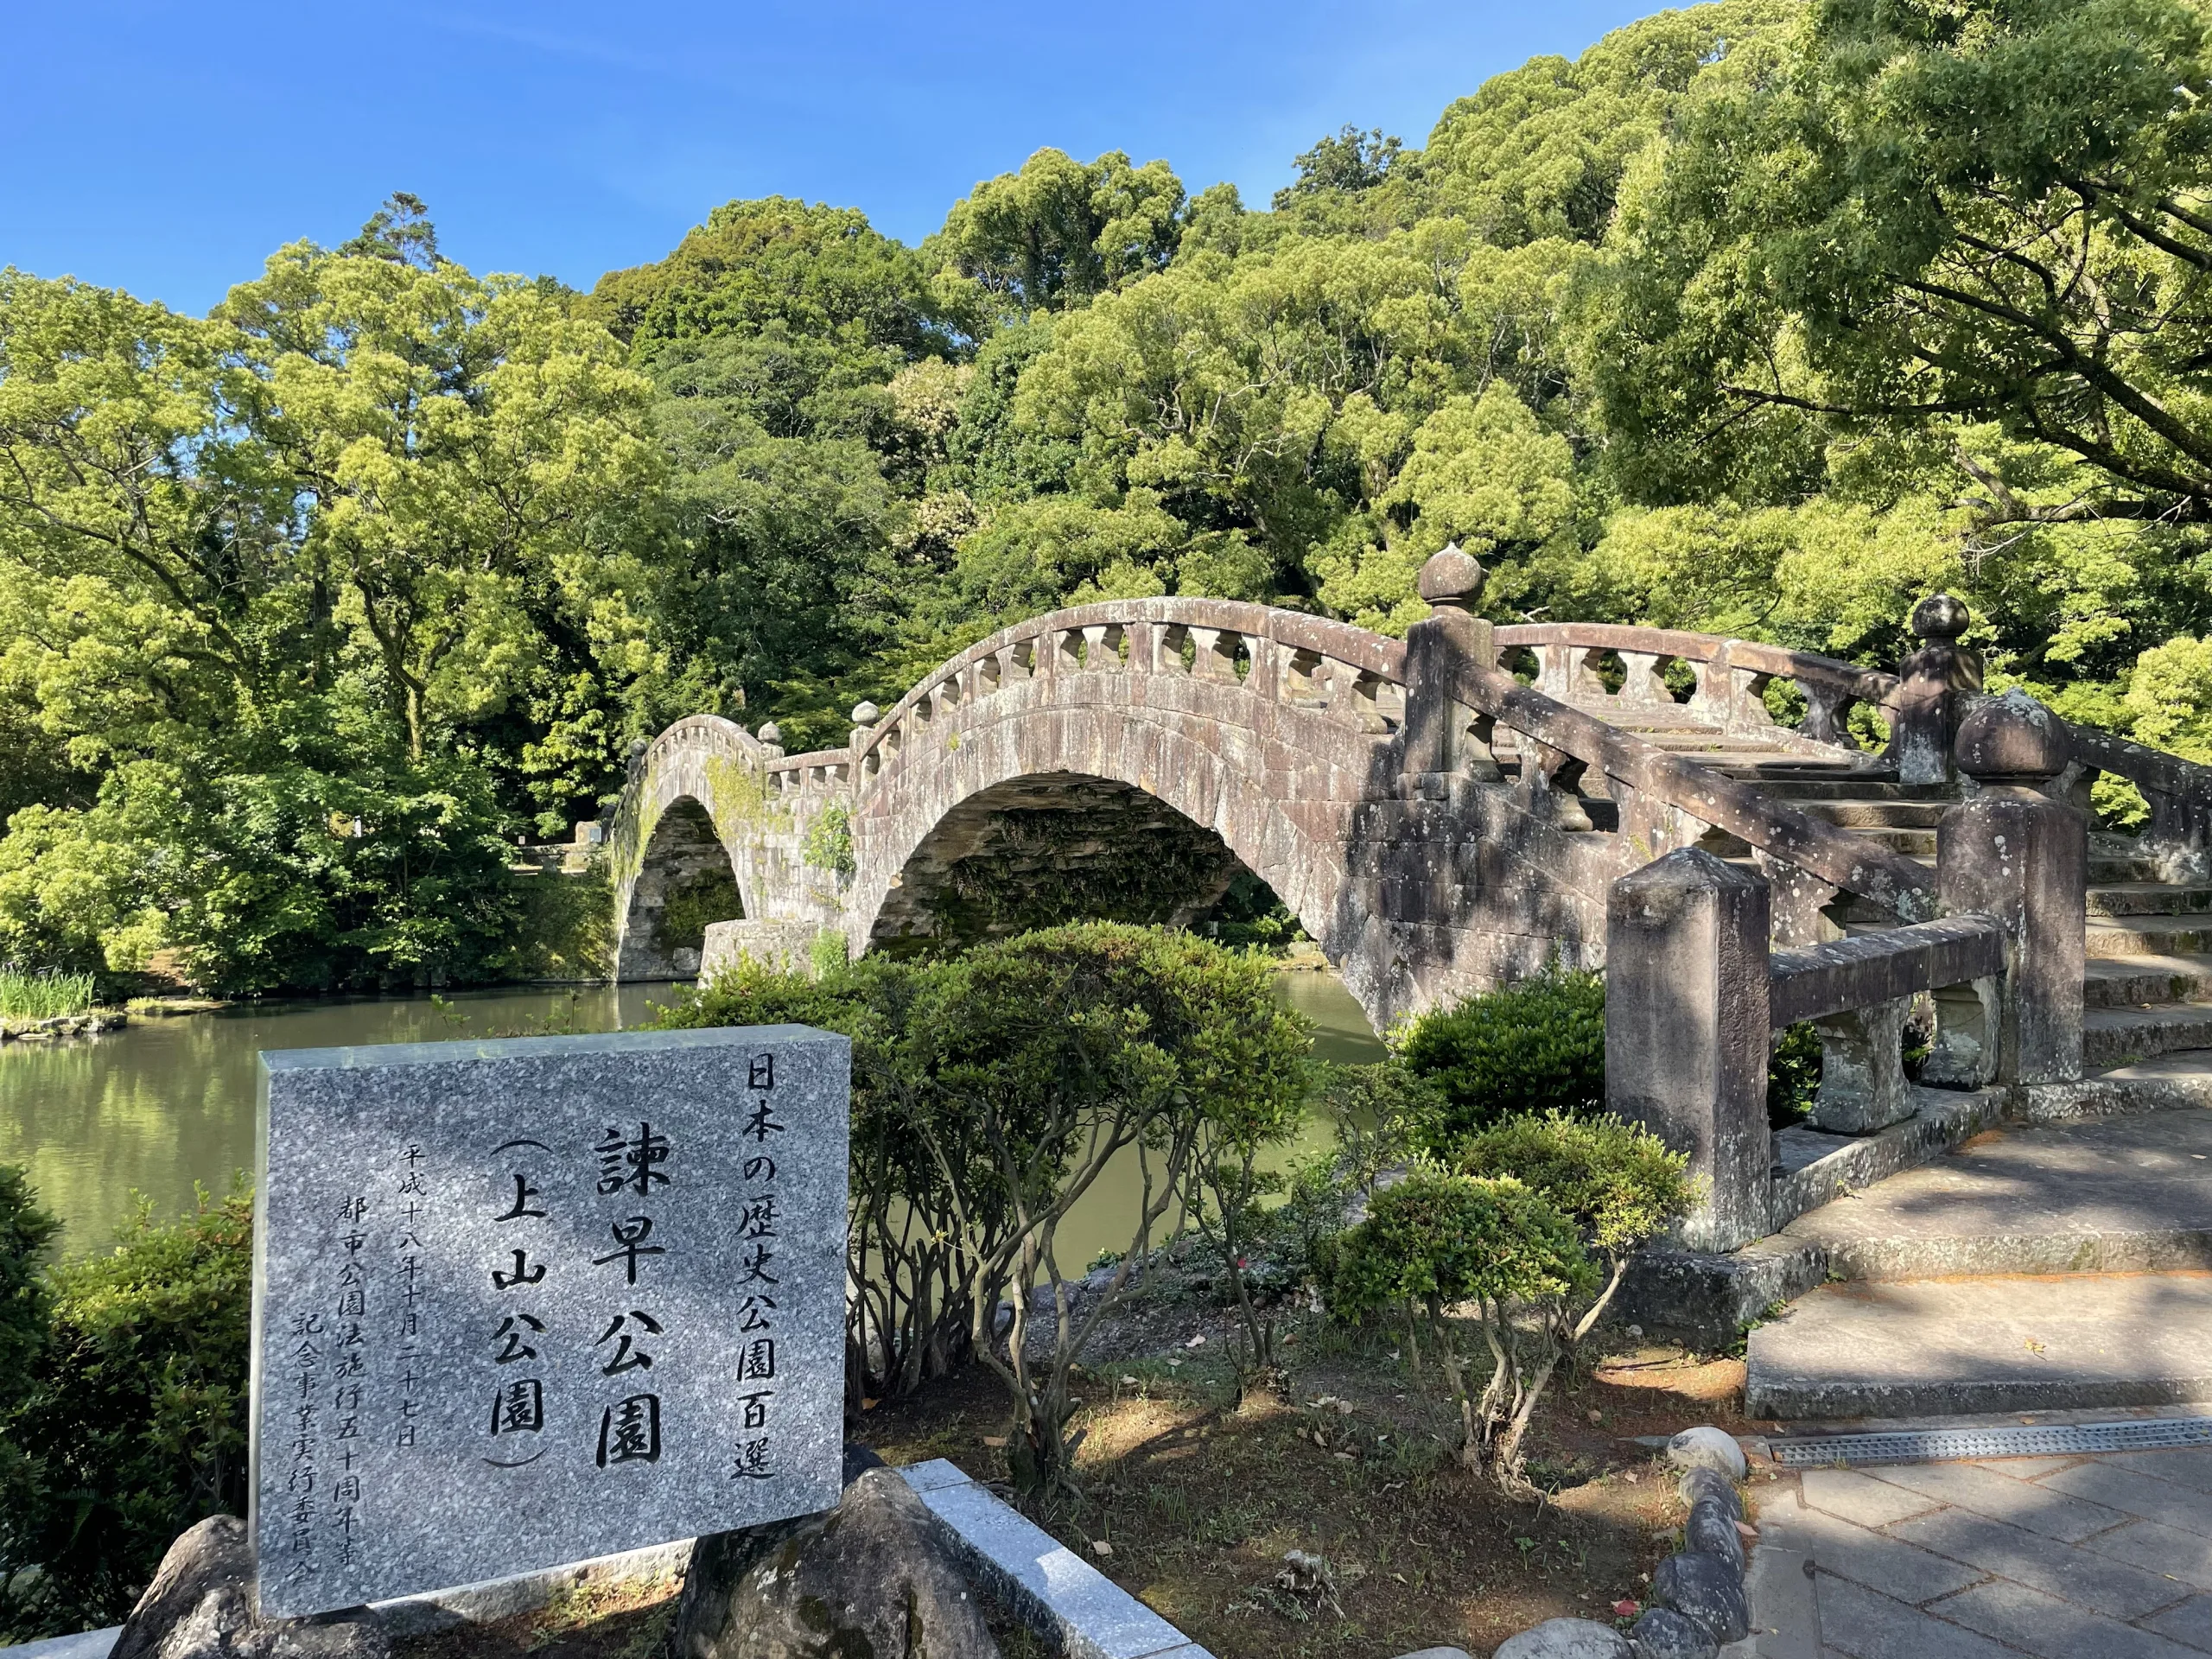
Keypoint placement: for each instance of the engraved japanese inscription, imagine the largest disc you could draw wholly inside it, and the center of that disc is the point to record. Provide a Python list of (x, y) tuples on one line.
[(523, 1303)]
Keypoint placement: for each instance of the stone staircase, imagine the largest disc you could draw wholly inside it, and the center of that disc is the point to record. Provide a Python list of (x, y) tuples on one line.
[(1986, 1265)]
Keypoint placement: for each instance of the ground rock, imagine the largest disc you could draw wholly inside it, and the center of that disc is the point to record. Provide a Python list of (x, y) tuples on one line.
[(1663, 1633), (1712, 1530), (1708, 1448), (870, 1577), (1567, 1638), (200, 1605), (1707, 1589), (1711, 1482)]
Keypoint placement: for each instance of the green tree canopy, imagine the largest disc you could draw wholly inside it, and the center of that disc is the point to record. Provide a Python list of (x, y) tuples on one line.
[(1060, 230)]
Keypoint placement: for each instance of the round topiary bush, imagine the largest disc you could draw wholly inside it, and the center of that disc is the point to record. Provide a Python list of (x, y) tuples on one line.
[(1536, 1047)]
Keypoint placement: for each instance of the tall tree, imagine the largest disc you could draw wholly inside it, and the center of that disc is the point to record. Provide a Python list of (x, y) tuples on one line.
[(1939, 214), (1060, 230)]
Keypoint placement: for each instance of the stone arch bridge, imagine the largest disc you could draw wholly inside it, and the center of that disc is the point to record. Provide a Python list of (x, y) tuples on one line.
[(1748, 839), (1436, 820)]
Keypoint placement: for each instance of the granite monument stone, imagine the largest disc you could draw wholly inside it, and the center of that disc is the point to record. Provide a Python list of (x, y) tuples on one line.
[(522, 1303)]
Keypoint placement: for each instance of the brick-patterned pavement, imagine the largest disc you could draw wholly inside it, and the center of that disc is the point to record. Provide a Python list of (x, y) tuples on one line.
[(2104, 1557)]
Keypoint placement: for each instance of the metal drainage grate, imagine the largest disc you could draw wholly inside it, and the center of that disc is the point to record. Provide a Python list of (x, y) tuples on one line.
[(1950, 1445)]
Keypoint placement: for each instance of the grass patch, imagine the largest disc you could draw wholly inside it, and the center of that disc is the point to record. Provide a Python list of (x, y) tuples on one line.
[(25, 995)]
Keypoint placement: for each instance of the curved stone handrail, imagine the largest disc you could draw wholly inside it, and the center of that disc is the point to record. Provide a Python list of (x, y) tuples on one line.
[(1304, 660), (1731, 674), (1831, 852), (1360, 677), (2178, 835)]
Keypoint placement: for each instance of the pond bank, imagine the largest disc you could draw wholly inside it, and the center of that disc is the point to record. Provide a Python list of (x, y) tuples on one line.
[(165, 1104)]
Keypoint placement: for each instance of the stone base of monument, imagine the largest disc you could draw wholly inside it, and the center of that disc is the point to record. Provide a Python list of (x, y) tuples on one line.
[(976, 1545)]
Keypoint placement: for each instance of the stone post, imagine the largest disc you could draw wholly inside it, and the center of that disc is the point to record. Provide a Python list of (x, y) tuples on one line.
[(865, 714), (1934, 682), (2014, 854), (1438, 746), (1863, 1086), (1686, 1030)]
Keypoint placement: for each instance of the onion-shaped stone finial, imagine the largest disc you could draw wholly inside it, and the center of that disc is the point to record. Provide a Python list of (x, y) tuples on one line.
[(772, 734), (2013, 739), (866, 713), (1940, 616), (1451, 580)]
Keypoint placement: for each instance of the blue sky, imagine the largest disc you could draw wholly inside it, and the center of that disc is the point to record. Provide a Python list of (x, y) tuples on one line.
[(168, 147)]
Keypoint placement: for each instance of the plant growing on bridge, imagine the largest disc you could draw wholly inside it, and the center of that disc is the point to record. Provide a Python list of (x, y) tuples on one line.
[(828, 844)]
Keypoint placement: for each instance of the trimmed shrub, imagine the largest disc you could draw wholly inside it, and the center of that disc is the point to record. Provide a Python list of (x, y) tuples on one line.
[(134, 1426), (1536, 1047)]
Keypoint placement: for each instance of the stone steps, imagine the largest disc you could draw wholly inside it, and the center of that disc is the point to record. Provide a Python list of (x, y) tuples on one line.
[(1802, 792), (2040, 1266), (2149, 898), (2098, 1194), (1854, 814), (2117, 1037), (2121, 866), (2149, 935), (2065, 1261), (2122, 982), (1947, 1347)]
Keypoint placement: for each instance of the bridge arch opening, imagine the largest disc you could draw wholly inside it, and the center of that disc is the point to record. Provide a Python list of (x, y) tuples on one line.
[(1066, 847), (684, 883)]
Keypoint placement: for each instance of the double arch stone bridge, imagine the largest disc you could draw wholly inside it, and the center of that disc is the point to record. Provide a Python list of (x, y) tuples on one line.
[(1746, 838), (1437, 821)]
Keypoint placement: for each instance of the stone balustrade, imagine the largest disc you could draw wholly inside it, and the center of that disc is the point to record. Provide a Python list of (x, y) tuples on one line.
[(1695, 989), (1575, 661), (1355, 677)]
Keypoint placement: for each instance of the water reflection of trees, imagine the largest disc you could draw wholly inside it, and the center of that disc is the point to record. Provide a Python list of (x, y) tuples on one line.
[(167, 1102)]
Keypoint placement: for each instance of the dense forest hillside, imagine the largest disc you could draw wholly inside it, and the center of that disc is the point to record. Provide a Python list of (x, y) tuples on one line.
[(1758, 317)]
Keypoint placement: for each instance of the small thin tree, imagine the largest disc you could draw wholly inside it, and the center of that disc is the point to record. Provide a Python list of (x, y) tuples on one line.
[(1506, 1242), (1050, 1057)]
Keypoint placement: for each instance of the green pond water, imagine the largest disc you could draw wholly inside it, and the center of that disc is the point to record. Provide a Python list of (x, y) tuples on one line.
[(167, 1102)]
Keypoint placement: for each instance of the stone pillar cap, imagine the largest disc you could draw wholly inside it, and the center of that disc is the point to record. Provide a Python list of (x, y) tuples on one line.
[(1451, 580), (2013, 739), (772, 734), (1940, 616), (866, 713)]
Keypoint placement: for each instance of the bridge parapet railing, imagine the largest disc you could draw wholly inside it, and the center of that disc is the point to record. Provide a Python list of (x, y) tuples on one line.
[(1730, 676), (1352, 676), (1371, 684), (1693, 990), (1461, 698)]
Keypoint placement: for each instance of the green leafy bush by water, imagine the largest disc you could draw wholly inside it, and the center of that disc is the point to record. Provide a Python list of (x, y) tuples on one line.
[(128, 1422), (44, 995), (1539, 1045)]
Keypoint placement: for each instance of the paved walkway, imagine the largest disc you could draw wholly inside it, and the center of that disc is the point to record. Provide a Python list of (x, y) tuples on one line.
[(2106, 1557)]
